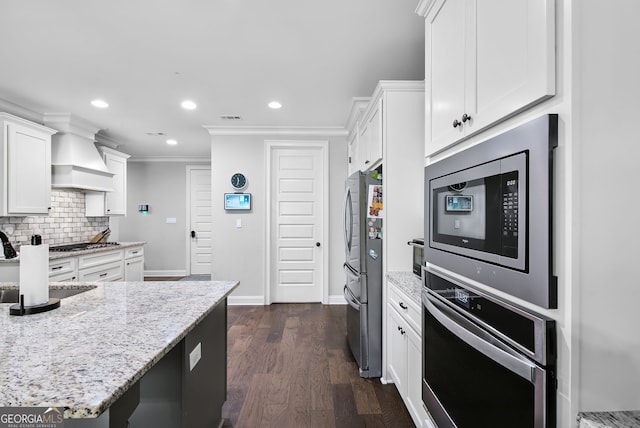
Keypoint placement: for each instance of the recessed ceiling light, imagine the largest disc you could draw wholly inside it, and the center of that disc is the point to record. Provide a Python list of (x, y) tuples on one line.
[(172, 142), (188, 105), (99, 103), (275, 105)]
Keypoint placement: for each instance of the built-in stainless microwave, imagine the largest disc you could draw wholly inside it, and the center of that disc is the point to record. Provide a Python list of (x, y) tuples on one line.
[(488, 212)]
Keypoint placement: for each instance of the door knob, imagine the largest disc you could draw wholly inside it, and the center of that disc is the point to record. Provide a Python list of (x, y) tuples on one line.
[(193, 233), (317, 244)]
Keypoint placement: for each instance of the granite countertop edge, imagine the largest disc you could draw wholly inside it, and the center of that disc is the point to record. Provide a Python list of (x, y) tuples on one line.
[(64, 254), (616, 419), (136, 363), (409, 283)]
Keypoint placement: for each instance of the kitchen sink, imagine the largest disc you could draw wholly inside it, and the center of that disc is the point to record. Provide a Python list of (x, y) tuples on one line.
[(13, 295)]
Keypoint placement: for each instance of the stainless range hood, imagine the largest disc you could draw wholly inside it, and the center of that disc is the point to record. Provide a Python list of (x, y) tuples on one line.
[(75, 160)]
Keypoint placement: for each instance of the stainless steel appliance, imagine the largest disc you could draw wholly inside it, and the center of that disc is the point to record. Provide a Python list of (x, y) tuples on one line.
[(417, 246), (486, 363), (488, 212), (363, 212)]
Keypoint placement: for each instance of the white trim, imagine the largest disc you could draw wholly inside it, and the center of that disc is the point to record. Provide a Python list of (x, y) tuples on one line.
[(188, 229), (336, 299), (246, 300), (300, 131), (152, 273), (324, 146), (189, 159)]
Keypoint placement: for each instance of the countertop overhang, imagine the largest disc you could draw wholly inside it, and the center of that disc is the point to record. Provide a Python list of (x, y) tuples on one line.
[(86, 354)]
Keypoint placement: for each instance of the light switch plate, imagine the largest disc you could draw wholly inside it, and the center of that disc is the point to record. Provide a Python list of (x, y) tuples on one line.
[(194, 356), (238, 223)]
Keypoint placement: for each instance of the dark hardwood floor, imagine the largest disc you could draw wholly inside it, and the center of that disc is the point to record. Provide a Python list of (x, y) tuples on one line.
[(289, 365)]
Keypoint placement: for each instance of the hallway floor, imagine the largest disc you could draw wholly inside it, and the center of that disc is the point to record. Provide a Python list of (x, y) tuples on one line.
[(289, 365)]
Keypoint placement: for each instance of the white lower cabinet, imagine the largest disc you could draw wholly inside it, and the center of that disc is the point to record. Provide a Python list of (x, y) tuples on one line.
[(63, 270), (134, 264), (404, 351), (103, 266)]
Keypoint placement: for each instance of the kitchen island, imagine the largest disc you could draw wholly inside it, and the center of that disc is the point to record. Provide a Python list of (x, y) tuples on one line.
[(136, 351)]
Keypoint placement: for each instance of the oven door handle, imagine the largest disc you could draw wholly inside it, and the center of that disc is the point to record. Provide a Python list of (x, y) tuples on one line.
[(480, 340)]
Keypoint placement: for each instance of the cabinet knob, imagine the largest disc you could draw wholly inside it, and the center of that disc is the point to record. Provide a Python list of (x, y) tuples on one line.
[(456, 123), (465, 117), (366, 162)]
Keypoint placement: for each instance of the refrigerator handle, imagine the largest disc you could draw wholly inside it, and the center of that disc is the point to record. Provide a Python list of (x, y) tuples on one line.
[(348, 296), (347, 220)]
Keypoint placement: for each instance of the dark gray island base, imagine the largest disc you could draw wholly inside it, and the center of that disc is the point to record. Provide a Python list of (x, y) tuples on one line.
[(122, 355), (172, 395)]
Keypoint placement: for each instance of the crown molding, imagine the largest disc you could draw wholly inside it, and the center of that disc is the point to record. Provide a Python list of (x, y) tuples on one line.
[(20, 111), (358, 106), (106, 141), (302, 131), (71, 124), (186, 159), (424, 7)]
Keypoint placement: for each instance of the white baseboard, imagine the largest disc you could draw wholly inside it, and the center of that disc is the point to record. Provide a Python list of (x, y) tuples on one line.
[(165, 273), (245, 300), (337, 299)]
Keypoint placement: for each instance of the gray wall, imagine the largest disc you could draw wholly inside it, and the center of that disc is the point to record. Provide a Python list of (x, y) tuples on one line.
[(163, 186), (240, 253)]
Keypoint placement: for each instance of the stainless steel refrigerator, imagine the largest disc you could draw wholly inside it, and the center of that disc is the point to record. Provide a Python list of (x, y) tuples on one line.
[(363, 217)]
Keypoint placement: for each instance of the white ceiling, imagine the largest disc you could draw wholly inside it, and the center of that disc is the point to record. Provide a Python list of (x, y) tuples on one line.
[(229, 56)]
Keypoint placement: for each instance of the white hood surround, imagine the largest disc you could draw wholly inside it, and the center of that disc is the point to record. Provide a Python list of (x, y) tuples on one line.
[(75, 160)]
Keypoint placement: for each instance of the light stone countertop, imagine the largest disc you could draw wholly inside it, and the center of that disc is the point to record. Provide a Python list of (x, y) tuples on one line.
[(609, 419), (54, 255), (409, 283), (84, 355)]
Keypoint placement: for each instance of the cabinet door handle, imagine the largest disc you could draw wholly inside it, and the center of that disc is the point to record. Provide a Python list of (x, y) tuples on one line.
[(465, 117), (403, 306), (102, 275), (366, 162), (134, 252), (456, 123), (56, 268)]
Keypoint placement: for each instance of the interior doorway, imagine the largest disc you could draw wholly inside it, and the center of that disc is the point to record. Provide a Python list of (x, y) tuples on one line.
[(199, 220), (297, 229)]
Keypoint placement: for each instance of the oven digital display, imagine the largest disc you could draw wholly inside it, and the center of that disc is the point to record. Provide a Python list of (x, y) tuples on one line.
[(459, 203), (462, 297)]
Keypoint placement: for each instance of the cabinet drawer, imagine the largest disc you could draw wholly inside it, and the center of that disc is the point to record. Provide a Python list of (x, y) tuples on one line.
[(97, 259), (106, 272), (407, 307), (133, 252), (62, 266), (63, 277)]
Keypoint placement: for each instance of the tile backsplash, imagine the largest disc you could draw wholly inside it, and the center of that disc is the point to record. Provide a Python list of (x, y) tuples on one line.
[(66, 222)]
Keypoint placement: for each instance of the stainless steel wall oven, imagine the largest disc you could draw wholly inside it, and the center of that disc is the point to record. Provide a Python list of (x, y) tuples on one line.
[(488, 212), (486, 363)]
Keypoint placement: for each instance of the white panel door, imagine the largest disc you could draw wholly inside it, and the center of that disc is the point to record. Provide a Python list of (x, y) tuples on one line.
[(297, 211), (200, 220)]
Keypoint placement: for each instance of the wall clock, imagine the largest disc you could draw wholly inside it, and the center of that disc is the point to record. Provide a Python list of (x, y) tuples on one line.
[(238, 181)]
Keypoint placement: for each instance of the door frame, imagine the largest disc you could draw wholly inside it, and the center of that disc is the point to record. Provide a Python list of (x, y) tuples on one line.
[(187, 231), (270, 145)]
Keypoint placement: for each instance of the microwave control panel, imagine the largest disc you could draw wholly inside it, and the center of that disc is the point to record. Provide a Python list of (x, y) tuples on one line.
[(510, 214)]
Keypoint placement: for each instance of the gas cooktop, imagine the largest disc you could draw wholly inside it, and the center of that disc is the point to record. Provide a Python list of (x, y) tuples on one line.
[(82, 246)]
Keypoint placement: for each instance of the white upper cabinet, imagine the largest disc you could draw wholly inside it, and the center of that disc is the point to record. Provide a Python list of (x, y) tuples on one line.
[(370, 153), (485, 61), (110, 203), (25, 158)]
